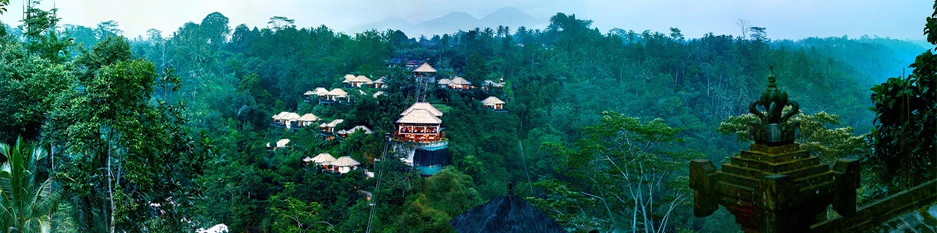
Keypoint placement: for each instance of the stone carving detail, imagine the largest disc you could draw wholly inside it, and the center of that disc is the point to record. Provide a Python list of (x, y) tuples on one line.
[(774, 186), (774, 128)]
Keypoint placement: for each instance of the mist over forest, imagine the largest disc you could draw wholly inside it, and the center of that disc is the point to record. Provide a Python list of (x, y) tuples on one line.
[(180, 130)]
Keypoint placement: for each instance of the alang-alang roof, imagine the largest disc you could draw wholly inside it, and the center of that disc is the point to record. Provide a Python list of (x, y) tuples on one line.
[(460, 81), (344, 161), (419, 116), (309, 117), (338, 92), (491, 100), (422, 105), (360, 78), (321, 158), (425, 68)]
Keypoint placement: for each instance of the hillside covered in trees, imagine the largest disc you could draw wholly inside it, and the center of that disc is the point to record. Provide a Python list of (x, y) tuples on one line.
[(172, 132)]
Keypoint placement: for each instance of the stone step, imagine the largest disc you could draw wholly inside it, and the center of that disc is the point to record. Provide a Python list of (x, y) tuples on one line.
[(740, 180), (796, 174), (775, 158), (740, 192), (774, 149), (779, 168)]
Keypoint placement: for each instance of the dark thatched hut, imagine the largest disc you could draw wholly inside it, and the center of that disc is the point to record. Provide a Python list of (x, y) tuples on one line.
[(505, 214)]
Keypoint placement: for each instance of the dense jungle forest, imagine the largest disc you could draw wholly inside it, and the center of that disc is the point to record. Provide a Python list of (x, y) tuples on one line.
[(171, 132)]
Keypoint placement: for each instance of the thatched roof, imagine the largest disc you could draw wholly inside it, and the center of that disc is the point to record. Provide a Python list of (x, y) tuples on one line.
[(279, 116), (357, 79), (491, 100), (425, 68), (378, 93), (344, 161), (364, 79), (338, 92), (309, 93), (419, 116), (380, 80), (322, 158), (460, 81), (282, 142), (309, 117), (422, 105), (505, 214), (493, 83), (333, 123), (445, 81), (288, 116), (321, 91), (360, 127)]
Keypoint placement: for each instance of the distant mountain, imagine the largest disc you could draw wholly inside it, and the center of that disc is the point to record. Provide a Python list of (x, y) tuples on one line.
[(446, 24), (513, 18), (458, 20)]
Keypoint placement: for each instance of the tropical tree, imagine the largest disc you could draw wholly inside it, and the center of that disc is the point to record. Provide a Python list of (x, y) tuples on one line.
[(3, 6), (131, 157), (27, 199), (626, 164), (906, 121), (29, 85), (817, 134)]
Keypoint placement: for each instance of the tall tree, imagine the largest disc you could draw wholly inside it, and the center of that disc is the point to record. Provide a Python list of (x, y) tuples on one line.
[(476, 69), (216, 29), (129, 157), (28, 86), (630, 165), (107, 29)]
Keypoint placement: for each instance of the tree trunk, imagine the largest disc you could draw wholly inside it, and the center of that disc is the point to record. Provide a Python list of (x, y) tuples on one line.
[(110, 188)]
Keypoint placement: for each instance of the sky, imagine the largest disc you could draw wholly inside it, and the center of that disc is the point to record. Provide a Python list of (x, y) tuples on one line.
[(783, 19)]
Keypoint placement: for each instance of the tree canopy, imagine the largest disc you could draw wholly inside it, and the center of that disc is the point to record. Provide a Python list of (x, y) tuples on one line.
[(170, 132)]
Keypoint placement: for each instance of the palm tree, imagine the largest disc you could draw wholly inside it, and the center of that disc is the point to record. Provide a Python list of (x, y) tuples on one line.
[(26, 203)]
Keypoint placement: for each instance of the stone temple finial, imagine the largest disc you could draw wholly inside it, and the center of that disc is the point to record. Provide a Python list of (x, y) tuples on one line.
[(773, 128)]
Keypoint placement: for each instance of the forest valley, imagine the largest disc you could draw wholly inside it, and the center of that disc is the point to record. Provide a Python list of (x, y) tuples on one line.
[(169, 132)]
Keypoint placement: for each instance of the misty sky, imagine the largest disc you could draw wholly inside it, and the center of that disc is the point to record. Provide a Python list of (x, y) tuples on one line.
[(784, 19)]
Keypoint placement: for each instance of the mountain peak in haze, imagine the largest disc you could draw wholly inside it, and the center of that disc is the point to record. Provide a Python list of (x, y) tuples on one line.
[(459, 20), (446, 23)]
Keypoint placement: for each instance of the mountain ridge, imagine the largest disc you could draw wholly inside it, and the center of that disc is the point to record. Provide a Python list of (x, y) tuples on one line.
[(458, 20)]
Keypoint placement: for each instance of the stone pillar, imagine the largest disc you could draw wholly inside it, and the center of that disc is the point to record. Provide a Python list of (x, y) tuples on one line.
[(774, 186)]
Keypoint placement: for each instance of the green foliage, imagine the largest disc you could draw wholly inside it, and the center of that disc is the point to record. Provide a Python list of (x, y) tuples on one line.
[(476, 69), (817, 134), (3, 6), (627, 164), (29, 85), (134, 154), (906, 122), (26, 197), (294, 215), (39, 27), (451, 192), (566, 205), (112, 136)]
